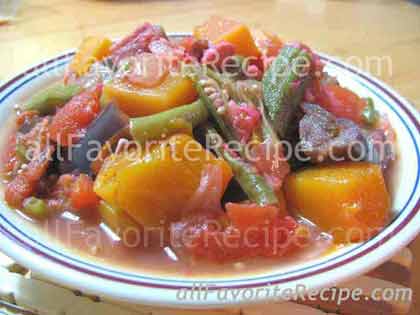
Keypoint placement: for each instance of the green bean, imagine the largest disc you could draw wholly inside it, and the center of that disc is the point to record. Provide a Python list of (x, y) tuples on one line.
[(46, 101), (168, 122), (253, 184), (36, 208)]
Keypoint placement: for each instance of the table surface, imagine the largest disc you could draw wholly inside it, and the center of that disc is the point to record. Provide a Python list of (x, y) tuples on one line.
[(382, 37)]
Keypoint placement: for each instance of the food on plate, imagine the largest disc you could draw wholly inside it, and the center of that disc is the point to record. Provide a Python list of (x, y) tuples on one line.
[(135, 101), (343, 197), (229, 146), (91, 50)]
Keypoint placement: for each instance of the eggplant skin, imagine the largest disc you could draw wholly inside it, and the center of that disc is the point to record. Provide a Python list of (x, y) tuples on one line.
[(109, 121)]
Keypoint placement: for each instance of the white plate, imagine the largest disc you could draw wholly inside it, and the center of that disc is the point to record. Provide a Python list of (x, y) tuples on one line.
[(20, 241)]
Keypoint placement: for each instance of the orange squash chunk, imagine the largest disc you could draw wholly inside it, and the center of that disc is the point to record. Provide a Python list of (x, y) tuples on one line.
[(156, 187), (218, 29), (91, 50), (135, 102), (349, 200)]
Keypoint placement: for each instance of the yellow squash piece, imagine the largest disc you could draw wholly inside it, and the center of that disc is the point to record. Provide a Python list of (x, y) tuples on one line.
[(218, 29), (155, 187), (91, 50), (349, 200), (241, 38), (134, 101)]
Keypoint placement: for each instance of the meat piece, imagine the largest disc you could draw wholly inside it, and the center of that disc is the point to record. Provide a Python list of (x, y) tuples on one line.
[(25, 183), (323, 137), (137, 42)]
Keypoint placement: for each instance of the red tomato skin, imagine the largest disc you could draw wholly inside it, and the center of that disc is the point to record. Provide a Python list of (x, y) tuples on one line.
[(74, 117)]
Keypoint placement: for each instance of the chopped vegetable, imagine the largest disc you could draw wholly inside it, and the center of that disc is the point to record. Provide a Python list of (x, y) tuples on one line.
[(269, 160), (25, 183), (109, 147), (46, 101), (137, 42), (91, 50), (370, 114), (116, 219), (173, 92), (218, 55), (284, 84), (109, 122), (218, 29), (244, 119), (204, 239), (166, 123), (269, 44), (244, 215), (148, 71), (36, 208), (342, 102), (155, 188), (212, 96), (82, 196), (76, 115), (9, 159), (348, 200), (253, 184)]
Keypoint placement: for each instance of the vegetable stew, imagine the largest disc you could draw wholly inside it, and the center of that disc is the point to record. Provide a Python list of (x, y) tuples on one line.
[(231, 147)]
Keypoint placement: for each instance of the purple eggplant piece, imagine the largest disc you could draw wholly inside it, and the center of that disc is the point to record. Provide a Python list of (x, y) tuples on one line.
[(109, 122)]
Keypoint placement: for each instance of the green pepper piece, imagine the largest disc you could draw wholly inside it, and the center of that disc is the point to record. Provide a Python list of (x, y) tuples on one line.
[(46, 101)]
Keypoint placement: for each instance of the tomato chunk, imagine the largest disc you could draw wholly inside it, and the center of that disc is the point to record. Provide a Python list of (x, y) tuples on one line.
[(270, 161), (341, 102), (257, 232), (83, 196), (247, 215), (70, 121), (24, 184)]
